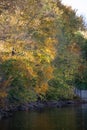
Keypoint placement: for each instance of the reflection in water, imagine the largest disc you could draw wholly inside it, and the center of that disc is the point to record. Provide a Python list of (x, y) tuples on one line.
[(71, 118)]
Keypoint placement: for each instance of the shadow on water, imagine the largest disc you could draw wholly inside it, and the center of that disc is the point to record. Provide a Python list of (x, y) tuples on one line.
[(70, 118)]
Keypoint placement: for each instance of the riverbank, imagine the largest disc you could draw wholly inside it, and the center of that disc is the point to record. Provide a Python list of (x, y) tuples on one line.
[(7, 112)]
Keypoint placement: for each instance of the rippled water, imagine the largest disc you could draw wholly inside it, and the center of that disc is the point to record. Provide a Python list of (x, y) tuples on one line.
[(70, 118)]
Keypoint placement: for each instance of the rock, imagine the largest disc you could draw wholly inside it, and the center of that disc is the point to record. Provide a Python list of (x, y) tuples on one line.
[(38, 105), (70, 102), (5, 114), (23, 107)]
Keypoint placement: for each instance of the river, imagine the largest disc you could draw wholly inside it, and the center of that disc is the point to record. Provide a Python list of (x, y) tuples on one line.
[(67, 118)]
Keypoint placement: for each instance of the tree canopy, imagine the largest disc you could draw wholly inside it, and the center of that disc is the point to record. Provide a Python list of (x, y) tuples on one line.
[(43, 52)]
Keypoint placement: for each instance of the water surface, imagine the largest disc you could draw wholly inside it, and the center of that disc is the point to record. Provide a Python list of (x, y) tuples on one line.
[(68, 118)]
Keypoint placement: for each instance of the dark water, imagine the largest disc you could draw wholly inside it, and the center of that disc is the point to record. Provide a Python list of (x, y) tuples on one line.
[(70, 118)]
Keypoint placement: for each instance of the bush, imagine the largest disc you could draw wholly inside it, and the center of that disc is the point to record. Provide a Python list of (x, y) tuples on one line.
[(20, 89), (58, 90), (21, 95)]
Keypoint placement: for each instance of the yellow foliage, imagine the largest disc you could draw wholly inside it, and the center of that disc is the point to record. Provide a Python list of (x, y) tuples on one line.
[(56, 10), (48, 72), (36, 23), (49, 19), (42, 89), (13, 20), (32, 35), (37, 89), (51, 52), (48, 69), (74, 48), (6, 83), (31, 71), (3, 94), (50, 41), (50, 47)]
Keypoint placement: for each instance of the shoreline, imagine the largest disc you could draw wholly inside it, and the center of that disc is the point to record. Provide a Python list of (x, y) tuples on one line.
[(38, 105)]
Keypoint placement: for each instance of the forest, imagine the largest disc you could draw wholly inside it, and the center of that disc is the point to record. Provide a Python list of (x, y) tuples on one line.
[(43, 51)]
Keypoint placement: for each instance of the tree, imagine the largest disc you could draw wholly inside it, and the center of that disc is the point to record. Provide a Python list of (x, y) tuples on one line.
[(47, 53)]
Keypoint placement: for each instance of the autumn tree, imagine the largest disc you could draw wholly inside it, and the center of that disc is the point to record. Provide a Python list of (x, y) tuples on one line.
[(47, 54)]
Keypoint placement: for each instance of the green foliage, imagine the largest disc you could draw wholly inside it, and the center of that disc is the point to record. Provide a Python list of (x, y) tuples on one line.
[(80, 79), (49, 51), (20, 87), (59, 93), (20, 94), (59, 90), (82, 42)]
